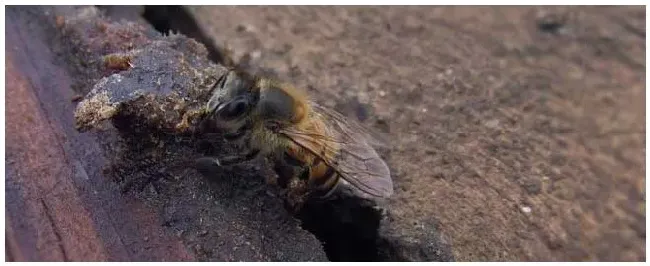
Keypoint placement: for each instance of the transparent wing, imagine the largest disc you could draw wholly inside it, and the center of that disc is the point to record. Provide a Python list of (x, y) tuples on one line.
[(345, 146), (344, 125)]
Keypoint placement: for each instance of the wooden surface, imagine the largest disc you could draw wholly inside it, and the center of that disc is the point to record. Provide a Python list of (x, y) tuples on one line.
[(58, 206)]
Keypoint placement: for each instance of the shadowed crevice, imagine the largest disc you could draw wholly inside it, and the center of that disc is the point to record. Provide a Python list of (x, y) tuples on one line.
[(178, 19)]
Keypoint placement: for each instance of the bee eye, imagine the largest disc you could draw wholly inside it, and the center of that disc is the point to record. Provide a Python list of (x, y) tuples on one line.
[(234, 109)]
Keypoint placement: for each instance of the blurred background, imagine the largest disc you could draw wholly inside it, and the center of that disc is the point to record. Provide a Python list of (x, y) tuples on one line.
[(520, 129)]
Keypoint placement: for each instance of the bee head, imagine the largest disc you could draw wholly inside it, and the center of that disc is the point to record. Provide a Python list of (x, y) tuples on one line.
[(237, 95), (232, 98)]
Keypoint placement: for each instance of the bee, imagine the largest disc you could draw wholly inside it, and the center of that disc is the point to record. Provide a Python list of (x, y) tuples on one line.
[(315, 150)]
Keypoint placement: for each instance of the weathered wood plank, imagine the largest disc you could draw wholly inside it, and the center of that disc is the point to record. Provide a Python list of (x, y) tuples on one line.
[(59, 206)]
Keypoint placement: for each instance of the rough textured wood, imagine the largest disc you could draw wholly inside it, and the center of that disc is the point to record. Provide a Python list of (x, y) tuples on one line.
[(59, 208), (44, 174)]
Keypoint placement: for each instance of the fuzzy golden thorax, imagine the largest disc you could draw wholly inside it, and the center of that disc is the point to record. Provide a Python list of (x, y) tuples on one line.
[(279, 105), (290, 108)]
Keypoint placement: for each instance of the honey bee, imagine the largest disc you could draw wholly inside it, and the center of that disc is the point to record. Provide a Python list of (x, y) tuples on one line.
[(315, 150)]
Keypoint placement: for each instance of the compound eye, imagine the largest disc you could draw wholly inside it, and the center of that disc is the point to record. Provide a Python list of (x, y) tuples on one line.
[(234, 109)]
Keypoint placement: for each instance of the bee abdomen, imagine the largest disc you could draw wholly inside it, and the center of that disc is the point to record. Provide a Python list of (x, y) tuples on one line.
[(326, 182)]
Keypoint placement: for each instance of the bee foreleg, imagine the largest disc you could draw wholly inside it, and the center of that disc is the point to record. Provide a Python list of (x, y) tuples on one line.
[(235, 159), (206, 163)]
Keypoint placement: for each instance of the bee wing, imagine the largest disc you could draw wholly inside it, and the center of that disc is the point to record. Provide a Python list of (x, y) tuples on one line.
[(346, 148), (349, 127)]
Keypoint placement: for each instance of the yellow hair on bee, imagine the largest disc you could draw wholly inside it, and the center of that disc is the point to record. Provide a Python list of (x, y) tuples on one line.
[(309, 144), (301, 99), (303, 120)]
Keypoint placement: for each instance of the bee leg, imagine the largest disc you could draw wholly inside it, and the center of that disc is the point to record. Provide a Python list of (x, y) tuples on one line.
[(228, 160), (237, 159), (299, 188), (287, 168), (208, 161), (292, 178), (296, 196), (205, 165)]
